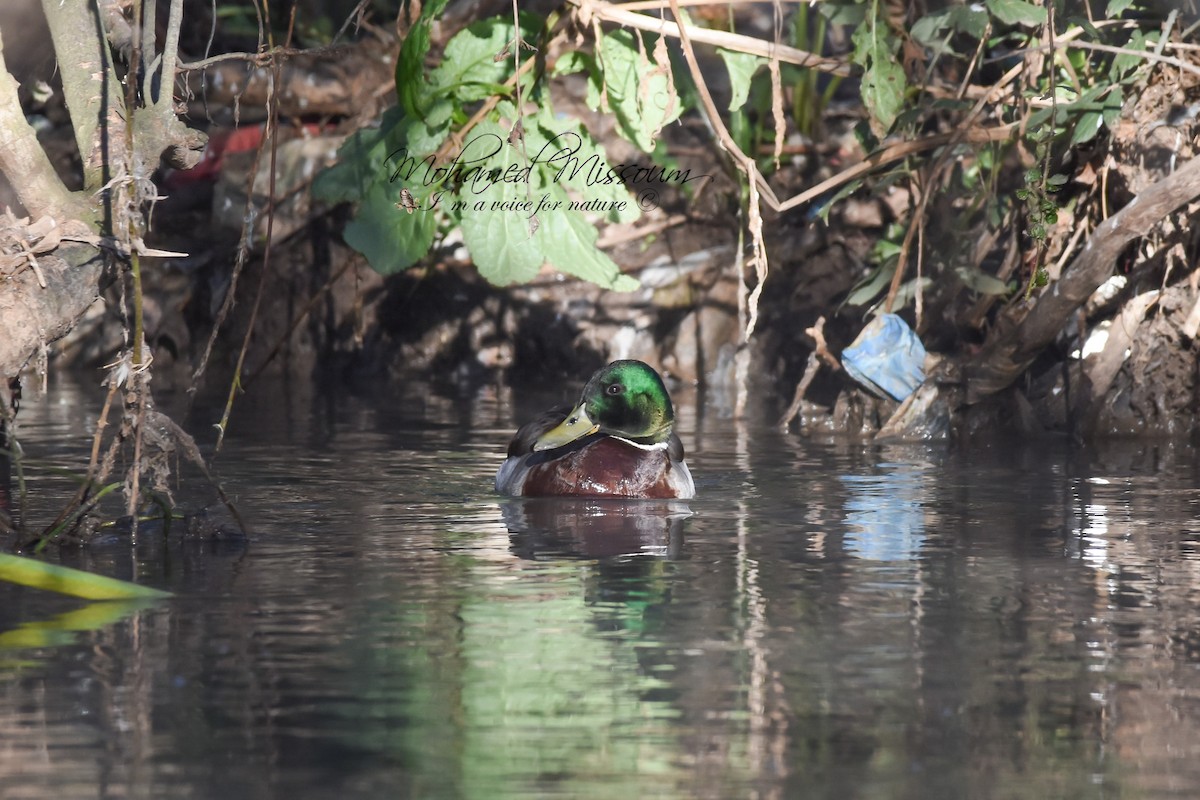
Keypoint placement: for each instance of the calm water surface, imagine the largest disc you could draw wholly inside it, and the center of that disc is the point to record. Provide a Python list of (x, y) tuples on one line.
[(826, 620)]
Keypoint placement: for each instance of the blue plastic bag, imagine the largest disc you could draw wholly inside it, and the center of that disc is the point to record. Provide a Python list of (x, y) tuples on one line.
[(886, 357)]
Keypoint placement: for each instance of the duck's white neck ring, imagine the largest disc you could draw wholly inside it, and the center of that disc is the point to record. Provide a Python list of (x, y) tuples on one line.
[(656, 446)]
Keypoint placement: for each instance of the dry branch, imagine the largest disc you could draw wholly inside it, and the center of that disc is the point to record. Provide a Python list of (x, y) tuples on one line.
[(590, 9), (1015, 345)]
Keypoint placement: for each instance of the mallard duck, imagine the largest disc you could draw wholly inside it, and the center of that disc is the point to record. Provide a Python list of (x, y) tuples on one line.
[(617, 441)]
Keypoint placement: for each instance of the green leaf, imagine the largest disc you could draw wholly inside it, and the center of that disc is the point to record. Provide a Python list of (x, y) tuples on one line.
[(825, 206), (851, 14), (411, 88), (1017, 12), (495, 229), (1112, 106), (1117, 7), (1124, 63), (882, 83), (566, 154), (885, 249), (499, 240), (1058, 179), (571, 62), (64, 580), (928, 29), (1086, 127), (570, 245), (390, 238), (869, 289), (969, 19), (979, 281), (742, 67), (640, 94), (469, 69), (360, 160)]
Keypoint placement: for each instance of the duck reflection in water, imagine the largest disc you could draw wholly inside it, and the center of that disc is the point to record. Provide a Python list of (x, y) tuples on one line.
[(594, 527)]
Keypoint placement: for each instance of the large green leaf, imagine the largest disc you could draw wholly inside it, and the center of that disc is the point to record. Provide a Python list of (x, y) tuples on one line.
[(1017, 12), (390, 238), (641, 96), (411, 88), (573, 61), (969, 19), (742, 67), (981, 282), (870, 287), (469, 70), (567, 155), (500, 240), (1125, 63), (372, 155), (569, 242), (360, 160), (495, 218), (882, 85)]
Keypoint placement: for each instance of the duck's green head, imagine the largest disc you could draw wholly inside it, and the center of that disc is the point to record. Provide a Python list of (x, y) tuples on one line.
[(627, 399)]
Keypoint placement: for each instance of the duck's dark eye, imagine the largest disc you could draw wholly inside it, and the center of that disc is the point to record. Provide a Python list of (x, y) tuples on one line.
[(616, 388)]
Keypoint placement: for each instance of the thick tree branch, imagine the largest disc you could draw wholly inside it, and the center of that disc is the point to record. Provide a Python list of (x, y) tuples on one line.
[(89, 85), (157, 127), (1014, 346), (34, 317), (24, 162)]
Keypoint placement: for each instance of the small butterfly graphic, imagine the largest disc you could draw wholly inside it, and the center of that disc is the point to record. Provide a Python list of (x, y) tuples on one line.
[(407, 201)]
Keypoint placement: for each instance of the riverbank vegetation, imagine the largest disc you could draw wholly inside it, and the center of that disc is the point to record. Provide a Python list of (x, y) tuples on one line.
[(470, 193)]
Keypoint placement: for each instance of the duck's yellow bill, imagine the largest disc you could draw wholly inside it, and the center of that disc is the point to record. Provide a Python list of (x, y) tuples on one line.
[(575, 426)]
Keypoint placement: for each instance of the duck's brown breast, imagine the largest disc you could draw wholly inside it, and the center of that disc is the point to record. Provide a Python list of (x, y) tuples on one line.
[(604, 468)]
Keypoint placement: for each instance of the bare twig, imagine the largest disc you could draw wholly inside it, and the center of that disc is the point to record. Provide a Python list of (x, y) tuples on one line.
[(272, 132), (140, 384), (730, 41), (170, 57), (1108, 48), (259, 59), (610, 239), (819, 354)]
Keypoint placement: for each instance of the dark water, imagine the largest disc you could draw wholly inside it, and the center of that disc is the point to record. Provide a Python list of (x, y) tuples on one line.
[(826, 620)]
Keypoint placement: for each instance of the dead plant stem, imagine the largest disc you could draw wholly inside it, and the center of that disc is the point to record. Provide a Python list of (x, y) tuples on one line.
[(730, 41), (272, 132), (139, 382), (758, 189), (820, 353)]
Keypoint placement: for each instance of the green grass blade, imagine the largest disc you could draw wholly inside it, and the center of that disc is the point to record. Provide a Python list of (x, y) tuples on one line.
[(64, 580), (62, 630)]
